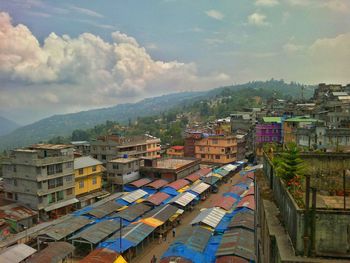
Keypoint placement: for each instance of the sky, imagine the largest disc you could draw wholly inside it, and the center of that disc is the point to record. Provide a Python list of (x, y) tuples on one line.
[(66, 56)]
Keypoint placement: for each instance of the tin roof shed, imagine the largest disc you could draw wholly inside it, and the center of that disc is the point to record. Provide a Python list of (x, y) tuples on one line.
[(16, 253), (134, 195), (210, 217), (55, 252)]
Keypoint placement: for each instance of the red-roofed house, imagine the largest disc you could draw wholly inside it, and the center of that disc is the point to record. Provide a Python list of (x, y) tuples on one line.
[(176, 151)]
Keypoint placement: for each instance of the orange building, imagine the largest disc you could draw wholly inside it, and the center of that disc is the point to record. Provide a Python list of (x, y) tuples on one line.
[(217, 149), (176, 151)]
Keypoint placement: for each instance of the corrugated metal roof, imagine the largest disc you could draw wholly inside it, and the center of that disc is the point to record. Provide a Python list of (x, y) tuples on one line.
[(231, 259), (183, 199), (244, 219), (16, 212), (141, 182), (61, 204), (157, 184), (198, 174), (101, 255), (230, 167), (225, 202), (178, 184), (133, 212), (134, 195), (16, 253), (200, 188), (66, 228), (210, 179), (53, 253), (237, 190), (175, 259), (96, 233), (222, 172), (210, 217), (162, 213), (195, 238), (85, 161), (238, 242), (157, 198), (247, 201), (250, 191), (105, 209), (134, 233)]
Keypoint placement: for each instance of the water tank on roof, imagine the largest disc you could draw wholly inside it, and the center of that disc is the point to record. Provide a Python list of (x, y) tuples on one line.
[(125, 156)]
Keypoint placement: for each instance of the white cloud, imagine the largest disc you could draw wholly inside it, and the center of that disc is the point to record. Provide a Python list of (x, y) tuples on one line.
[(257, 19), (86, 71), (86, 11), (291, 47), (215, 14), (266, 2)]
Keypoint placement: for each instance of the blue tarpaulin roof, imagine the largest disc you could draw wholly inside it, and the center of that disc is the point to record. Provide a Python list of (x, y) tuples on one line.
[(169, 191), (210, 250), (116, 246), (122, 202)]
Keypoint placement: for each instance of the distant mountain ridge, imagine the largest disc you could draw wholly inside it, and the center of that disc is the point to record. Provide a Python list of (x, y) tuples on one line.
[(7, 126), (64, 125)]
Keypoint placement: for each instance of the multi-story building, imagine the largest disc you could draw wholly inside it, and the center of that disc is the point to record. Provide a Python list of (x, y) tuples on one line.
[(176, 151), (217, 149), (88, 180), (82, 148), (291, 125), (269, 130), (190, 140), (41, 177), (121, 171), (107, 148)]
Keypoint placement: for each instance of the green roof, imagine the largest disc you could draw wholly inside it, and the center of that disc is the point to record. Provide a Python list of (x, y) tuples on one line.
[(272, 119), (302, 119)]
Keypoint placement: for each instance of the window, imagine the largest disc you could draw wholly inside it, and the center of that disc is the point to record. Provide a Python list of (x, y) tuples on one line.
[(40, 199), (115, 166), (59, 182), (38, 170), (94, 168), (39, 185), (58, 168), (81, 171), (15, 182), (50, 169), (103, 157), (52, 183), (202, 155), (217, 157), (129, 165), (51, 198), (94, 180), (16, 197), (69, 178), (69, 165), (9, 196), (81, 184), (215, 141), (69, 191), (14, 168), (60, 196)]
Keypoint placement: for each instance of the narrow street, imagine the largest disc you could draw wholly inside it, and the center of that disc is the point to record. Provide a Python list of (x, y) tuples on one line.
[(157, 249)]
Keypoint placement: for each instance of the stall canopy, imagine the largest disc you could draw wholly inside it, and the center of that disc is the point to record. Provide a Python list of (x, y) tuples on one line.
[(247, 201), (66, 228), (157, 198), (103, 255), (183, 199), (137, 184), (237, 242), (134, 195), (231, 259), (157, 184), (199, 188), (55, 252), (16, 253), (159, 215), (225, 202), (212, 180), (243, 219), (97, 232), (133, 212), (103, 210), (210, 217)]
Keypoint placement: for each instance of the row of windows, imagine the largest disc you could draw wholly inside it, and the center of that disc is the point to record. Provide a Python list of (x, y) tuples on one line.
[(82, 184), (52, 183), (217, 156), (94, 169)]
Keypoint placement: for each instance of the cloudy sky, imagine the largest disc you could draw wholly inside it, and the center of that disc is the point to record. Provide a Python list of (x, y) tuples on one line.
[(67, 56)]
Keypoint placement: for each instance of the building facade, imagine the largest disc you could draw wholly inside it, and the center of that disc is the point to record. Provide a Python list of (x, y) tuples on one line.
[(107, 148), (217, 149), (121, 171), (88, 180), (291, 125), (176, 151), (42, 178)]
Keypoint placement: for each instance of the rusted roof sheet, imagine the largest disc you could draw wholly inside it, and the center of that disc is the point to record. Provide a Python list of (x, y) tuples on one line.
[(237, 190), (66, 228), (199, 188), (204, 171), (183, 199), (237, 242), (16, 212), (195, 238), (157, 198), (133, 212), (157, 184), (225, 202), (134, 233), (210, 217), (231, 259), (250, 191), (162, 213), (134, 195), (101, 255), (178, 184), (141, 182), (53, 253), (244, 219), (247, 201), (105, 209), (16, 253), (98, 232), (251, 175)]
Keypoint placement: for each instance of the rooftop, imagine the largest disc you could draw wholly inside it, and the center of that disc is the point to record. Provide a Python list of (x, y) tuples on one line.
[(123, 160), (272, 119), (173, 163), (301, 119), (16, 212), (85, 161), (43, 146)]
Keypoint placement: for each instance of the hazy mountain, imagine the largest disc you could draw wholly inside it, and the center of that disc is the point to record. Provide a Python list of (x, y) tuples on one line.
[(63, 125), (7, 126)]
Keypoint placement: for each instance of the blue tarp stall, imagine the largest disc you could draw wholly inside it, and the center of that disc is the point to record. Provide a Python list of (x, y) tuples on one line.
[(129, 188), (211, 248), (190, 244), (224, 223), (234, 195), (170, 191), (122, 202)]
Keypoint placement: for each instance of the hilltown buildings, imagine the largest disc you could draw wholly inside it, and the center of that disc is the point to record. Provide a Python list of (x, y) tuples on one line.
[(176, 151), (42, 178)]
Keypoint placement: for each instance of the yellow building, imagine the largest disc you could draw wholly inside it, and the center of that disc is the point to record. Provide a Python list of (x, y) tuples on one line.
[(88, 180), (217, 149), (175, 151)]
